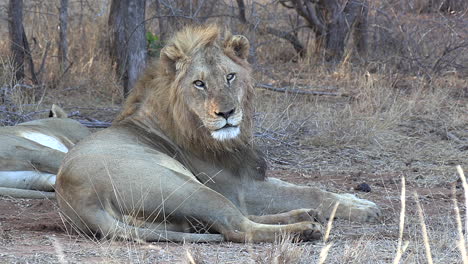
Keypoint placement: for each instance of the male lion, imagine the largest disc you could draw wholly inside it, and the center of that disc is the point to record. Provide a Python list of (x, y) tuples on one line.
[(31, 153), (181, 153)]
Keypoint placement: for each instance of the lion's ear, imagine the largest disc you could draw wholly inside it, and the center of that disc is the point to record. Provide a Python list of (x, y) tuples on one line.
[(172, 56), (172, 52), (57, 112), (237, 44)]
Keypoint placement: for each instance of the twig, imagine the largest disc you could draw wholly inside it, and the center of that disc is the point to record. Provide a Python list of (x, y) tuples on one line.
[(70, 64), (298, 91), (281, 162), (44, 57), (330, 222), (190, 258), (454, 138), (465, 188), (423, 230), (461, 243), (324, 253), (400, 250)]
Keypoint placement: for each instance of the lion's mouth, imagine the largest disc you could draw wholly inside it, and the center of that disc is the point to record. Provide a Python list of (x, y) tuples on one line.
[(228, 131), (227, 125)]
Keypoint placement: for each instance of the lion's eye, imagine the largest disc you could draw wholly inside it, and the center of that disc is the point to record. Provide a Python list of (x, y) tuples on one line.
[(199, 84), (230, 77)]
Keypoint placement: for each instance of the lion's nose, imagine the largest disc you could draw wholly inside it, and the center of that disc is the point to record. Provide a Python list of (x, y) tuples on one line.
[(226, 114)]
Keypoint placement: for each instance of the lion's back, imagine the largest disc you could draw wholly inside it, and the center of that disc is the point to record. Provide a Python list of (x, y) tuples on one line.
[(116, 151)]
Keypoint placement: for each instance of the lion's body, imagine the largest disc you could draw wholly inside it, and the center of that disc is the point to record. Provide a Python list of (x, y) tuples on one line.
[(31, 153), (180, 155)]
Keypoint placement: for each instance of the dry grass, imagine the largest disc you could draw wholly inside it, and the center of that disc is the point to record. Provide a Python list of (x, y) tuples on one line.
[(407, 115)]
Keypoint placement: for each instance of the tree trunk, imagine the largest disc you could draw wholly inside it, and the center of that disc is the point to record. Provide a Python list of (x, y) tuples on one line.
[(127, 40), (351, 20), (360, 31), (333, 22), (331, 36), (162, 23), (19, 42), (136, 41), (62, 42), (292, 38), (28, 55), (15, 30)]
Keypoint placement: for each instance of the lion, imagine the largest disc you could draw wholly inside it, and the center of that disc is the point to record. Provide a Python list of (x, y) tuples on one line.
[(179, 159), (31, 153)]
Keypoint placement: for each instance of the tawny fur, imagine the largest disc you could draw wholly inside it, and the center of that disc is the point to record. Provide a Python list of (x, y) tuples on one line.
[(156, 98), (159, 168), (31, 153)]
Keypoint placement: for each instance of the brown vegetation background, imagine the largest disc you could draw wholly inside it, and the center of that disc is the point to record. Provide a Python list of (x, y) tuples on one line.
[(398, 110)]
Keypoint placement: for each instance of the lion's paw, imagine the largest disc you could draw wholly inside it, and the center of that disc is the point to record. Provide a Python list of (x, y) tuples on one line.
[(312, 232), (305, 215), (357, 209)]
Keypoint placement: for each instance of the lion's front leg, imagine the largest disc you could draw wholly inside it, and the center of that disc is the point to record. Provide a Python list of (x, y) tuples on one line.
[(354, 208), (274, 196), (291, 217)]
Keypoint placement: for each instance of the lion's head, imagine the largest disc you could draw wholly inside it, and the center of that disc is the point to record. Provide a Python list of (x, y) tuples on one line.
[(200, 90)]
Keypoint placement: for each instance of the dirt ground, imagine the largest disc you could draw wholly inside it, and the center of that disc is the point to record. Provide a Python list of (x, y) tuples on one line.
[(303, 151), (31, 231), (402, 114)]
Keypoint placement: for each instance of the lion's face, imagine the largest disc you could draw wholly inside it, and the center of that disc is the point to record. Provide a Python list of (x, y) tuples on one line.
[(213, 88), (211, 80), (199, 91)]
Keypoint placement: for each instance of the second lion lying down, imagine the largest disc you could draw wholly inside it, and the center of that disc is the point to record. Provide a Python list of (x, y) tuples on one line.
[(181, 154), (31, 153)]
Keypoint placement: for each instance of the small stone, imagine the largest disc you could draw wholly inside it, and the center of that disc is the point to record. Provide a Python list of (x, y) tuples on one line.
[(419, 177), (363, 187)]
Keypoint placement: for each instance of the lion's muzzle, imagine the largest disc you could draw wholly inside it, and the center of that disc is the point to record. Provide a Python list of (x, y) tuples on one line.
[(226, 126), (226, 114)]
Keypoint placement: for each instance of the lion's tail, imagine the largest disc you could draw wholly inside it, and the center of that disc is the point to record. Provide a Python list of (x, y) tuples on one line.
[(112, 227)]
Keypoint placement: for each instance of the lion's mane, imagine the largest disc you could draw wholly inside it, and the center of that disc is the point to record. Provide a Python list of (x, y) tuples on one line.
[(156, 103)]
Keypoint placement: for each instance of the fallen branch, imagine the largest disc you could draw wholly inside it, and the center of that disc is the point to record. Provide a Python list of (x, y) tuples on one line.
[(298, 91), (95, 123), (14, 118), (108, 109), (89, 121)]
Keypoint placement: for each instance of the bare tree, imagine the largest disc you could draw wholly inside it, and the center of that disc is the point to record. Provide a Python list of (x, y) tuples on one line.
[(62, 42), (15, 30), (162, 23), (288, 36), (127, 39), (333, 22), (173, 15)]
